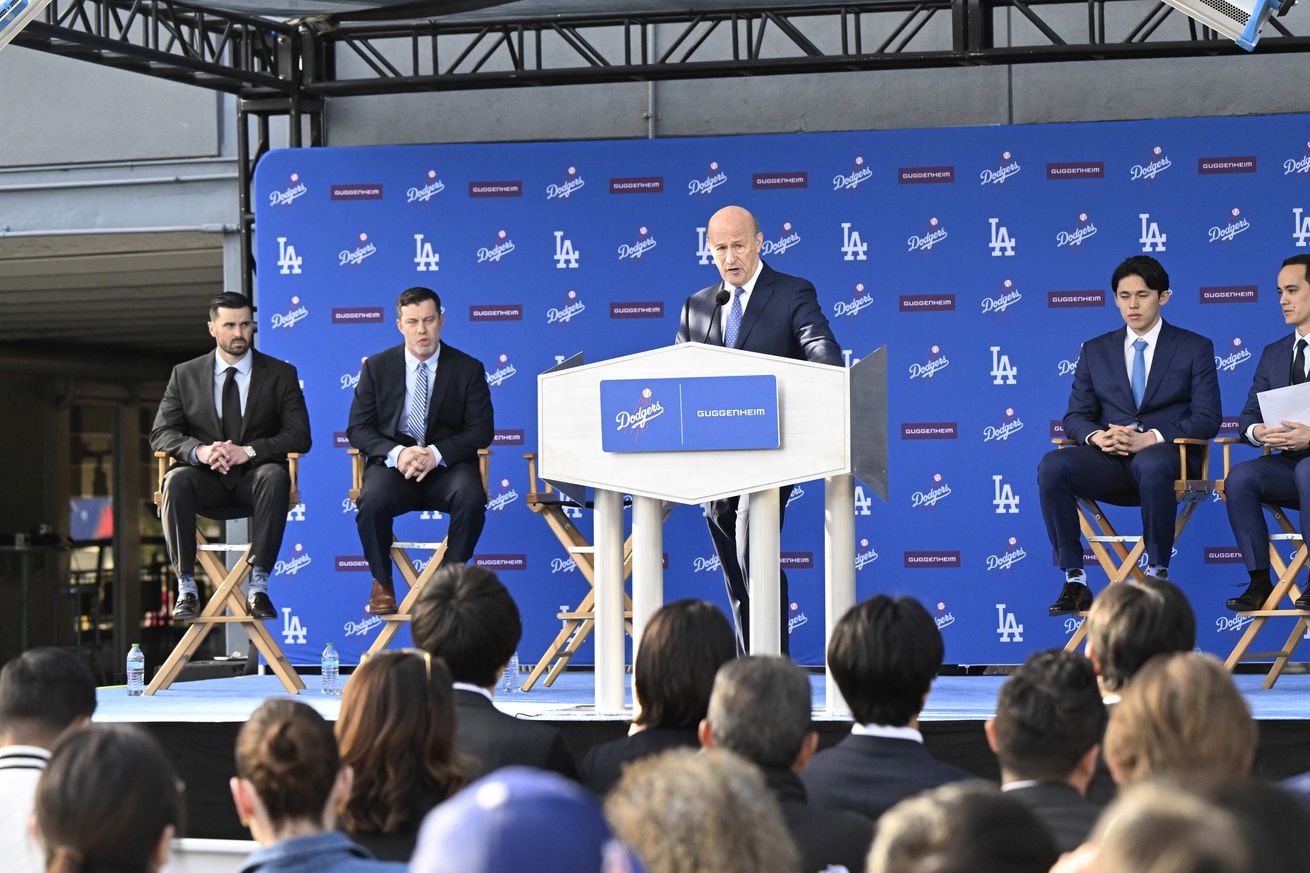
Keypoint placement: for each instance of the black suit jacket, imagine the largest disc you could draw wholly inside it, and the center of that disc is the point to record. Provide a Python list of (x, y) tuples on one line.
[(869, 775), (826, 837), (274, 423), (603, 764), (492, 739), (783, 319), (460, 419), (1068, 815), (1273, 371)]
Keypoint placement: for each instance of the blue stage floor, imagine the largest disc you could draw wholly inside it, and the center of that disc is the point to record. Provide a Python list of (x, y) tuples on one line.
[(953, 698)]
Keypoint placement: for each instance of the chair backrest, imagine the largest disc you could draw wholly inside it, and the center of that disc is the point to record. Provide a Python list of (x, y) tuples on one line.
[(209, 856)]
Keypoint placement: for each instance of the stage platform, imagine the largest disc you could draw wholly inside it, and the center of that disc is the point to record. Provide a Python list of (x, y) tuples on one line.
[(198, 721)]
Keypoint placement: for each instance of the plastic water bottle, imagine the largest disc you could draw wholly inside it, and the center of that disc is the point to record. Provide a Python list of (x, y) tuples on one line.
[(331, 669), (509, 681), (136, 671)]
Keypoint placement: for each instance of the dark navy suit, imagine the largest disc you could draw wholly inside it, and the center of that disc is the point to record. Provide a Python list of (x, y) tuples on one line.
[(1282, 479), (782, 318), (869, 775), (1181, 400)]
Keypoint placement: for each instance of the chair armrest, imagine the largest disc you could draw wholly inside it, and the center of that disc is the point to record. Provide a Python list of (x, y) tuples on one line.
[(1203, 446), (293, 470), (1062, 442), (484, 468), (356, 474)]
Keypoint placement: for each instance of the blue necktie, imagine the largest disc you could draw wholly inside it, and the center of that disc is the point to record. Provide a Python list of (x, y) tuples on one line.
[(418, 409), (734, 320), (1139, 371)]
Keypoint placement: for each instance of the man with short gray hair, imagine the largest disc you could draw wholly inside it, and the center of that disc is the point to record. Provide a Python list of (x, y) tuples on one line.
[(760, 709)]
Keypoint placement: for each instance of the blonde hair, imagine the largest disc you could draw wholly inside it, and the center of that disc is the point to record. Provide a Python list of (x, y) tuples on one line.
[(687, 811), (1162, 828), (1181, 715)]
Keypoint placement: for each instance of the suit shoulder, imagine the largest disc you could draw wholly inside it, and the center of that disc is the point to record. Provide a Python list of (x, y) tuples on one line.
[(272, 363), (780, 279)]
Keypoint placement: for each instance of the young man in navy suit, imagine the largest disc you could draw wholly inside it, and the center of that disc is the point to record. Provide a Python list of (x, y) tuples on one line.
[(1135, 390), (421, 412), (758, 309), (1282, 478)]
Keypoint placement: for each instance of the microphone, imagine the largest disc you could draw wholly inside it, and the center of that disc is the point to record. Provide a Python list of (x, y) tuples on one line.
[(719, 299)]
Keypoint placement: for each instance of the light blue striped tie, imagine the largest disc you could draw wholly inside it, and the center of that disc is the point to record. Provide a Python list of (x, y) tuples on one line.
[(1139, 371), (417, 426)]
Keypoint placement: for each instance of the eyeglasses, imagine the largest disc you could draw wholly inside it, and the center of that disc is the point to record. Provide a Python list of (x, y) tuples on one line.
[(425, 655)]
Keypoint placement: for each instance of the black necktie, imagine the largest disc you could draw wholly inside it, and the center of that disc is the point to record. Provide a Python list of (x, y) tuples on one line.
[(1298, 363), (231, 406)]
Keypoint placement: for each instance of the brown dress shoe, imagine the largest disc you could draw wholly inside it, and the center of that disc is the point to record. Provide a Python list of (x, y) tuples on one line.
[(383, 599)]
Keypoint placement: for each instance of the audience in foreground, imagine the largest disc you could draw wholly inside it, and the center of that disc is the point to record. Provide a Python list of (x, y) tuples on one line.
[(760, 709), (884, 654), (1132, 622), (684, 811), (519, 819), (683, 646), (962, 828), (44, 693), (396, 732), (466, 617), (107, 801), (1046, 736), (1182, 715), (288, 788)]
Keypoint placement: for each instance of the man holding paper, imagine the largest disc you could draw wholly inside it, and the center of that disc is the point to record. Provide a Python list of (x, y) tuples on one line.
[(1282, 478), (1135, 390)]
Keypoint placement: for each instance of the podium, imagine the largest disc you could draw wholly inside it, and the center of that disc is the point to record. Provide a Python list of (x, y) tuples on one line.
[(691, 423)]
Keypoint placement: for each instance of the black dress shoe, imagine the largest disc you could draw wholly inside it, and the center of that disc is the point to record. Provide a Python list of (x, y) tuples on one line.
[(260, 605), (1303, 602), (186, 607), (1254, 597), (1074, 597)]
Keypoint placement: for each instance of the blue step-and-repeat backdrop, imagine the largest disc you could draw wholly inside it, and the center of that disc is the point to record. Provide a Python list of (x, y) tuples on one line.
[(980, 257)]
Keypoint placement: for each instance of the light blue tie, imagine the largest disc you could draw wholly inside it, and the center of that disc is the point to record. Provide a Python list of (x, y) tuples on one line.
[(418, 409), (734, 320), (1139, 371)]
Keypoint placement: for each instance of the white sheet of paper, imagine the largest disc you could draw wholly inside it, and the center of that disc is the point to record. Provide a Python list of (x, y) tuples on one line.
[(1285, 404)]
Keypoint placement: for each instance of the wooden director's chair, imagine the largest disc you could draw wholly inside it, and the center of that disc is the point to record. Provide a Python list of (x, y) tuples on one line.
[(1117, 560), (413, 578), (227, 605), (579, 621), (1285, 573)]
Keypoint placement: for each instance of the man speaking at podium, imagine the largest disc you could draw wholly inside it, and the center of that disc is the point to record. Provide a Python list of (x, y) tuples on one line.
[(758, 309)]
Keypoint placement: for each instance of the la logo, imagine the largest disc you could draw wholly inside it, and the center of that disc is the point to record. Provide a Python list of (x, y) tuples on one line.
[(1002, 243), (566, 256), (853, 248), (1152, 239), (288, 261), (425, 259)]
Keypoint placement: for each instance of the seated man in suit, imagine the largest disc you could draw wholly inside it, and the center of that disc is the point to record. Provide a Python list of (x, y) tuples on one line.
[(229, 418), (884, 654), (771, 313), (1047, 737), (466, 617), (1135, 390), (760, 709), (421, 411), (1282, 478)]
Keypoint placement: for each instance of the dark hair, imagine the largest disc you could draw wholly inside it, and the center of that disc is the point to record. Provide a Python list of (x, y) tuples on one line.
[(417, 294), (760, 709), (682, 647), (884, 654), (1270, 819), (1145, 266), (1301, 261), (105, 799), (228, 300), (466, 617), (288, 753), (43, 691), (1048, 714), (1135, 620), (397, 730)]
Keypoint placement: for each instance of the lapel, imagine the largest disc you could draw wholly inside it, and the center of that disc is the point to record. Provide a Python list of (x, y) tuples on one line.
[(256, 388), (1282, 375), (395, 378), (440, 386), (1115, 362), (759, 300), (205, 388), (1165, 348)]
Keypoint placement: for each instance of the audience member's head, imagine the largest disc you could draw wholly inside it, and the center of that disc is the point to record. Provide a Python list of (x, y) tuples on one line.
[(963, 827), (1132, 622), (289, 778), (1049, 720), (884, 654), (519, 819), (760, 709), (466, 617), (107, 801), (685, 811), (1271, 819), (1181, 714), (683, 646), (44, 692), (396, 731)]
